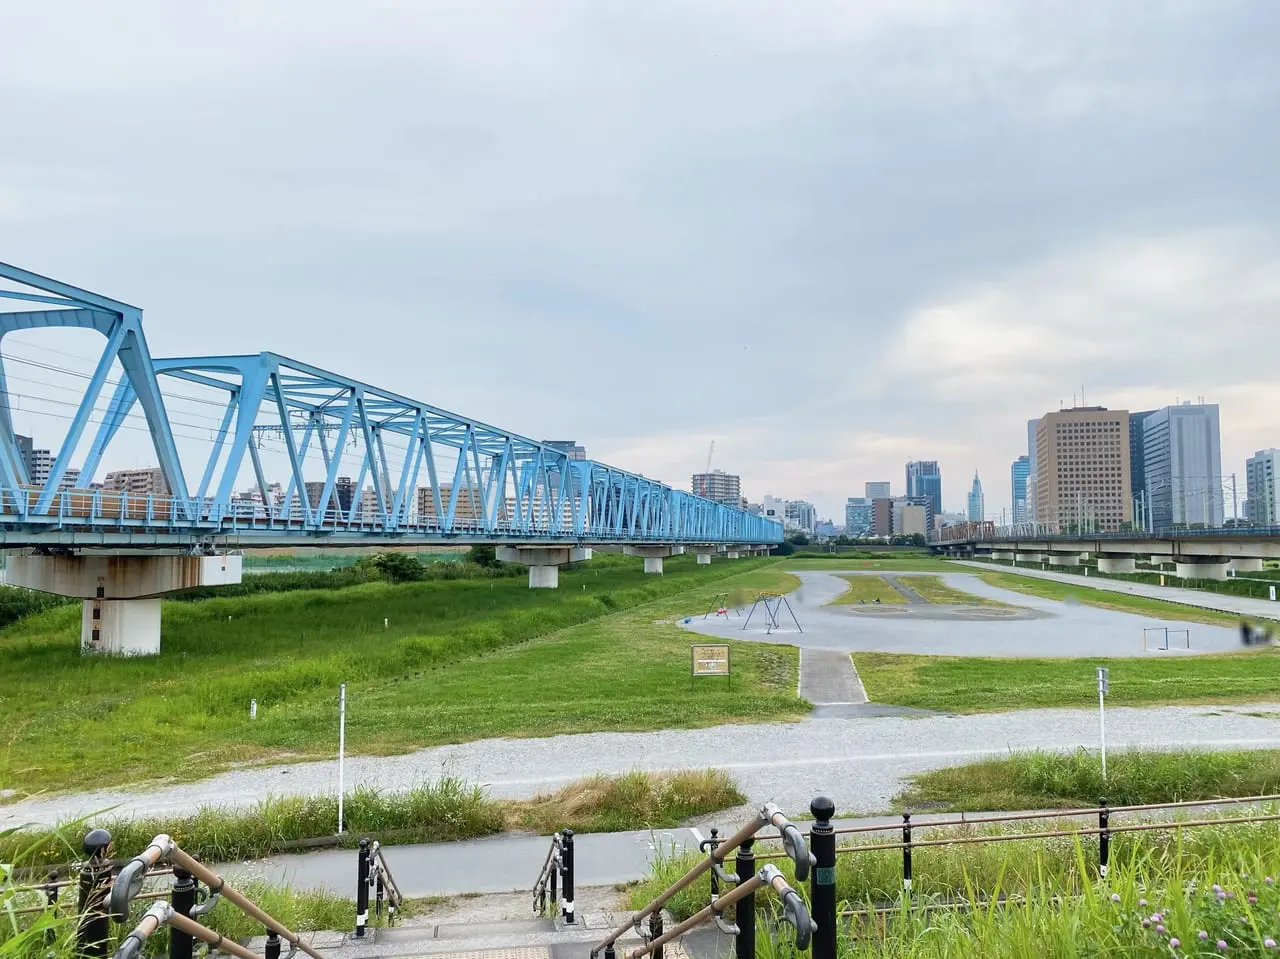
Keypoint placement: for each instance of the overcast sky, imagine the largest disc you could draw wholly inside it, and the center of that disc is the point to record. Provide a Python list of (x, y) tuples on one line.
[(831, 236)]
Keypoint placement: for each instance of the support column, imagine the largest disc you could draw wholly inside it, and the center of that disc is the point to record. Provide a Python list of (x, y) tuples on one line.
[(704, 554), (1246, 564), (732, 554), (652, 555), (1202, 567), (1028, 557), (544, 562), (1116, 564), (1064, 559), (1159, 559), (1004, 555), (121, 610)]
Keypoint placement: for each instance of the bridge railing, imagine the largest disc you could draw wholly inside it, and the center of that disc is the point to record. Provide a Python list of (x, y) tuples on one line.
[(1018, 532)]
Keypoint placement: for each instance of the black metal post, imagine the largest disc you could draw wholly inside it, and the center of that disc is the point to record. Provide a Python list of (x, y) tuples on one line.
[(362, 888), (51, 899), (273, 945), (655, 930), (906, 853), (182, 898), (567, 902), (745, 908), (377, 900), (1104, 837), (94, 927), (822, 889)]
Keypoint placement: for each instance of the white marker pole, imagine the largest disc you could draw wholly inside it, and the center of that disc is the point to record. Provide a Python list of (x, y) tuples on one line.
[(342, 746), (1104, 683)]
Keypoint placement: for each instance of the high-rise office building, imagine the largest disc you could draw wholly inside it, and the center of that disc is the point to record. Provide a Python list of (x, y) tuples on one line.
[(882, 516), (1137, 462), (858, 520), (720, 486), (800, 515), (1182, 465), (977, 506), (1020, 472), (1082, 468), (1031, 472), (911, 516), (39, 465), (879, 490), (925, 480), (569, 448), (1261, 507)]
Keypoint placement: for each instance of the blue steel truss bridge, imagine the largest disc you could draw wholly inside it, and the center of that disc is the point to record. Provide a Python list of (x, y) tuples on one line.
[(262, 450)]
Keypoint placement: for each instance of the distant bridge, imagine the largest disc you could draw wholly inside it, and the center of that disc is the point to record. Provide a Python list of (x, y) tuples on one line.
[(1197, 553), (424, 476)]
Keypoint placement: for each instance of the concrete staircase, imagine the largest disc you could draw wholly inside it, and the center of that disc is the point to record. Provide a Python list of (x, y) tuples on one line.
[(505, 939)]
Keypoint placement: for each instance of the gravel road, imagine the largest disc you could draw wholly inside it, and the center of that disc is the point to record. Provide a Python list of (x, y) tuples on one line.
[(860, 762)]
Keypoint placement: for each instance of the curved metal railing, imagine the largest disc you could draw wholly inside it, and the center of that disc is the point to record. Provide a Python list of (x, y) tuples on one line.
[(128, 885), (374, 874), (794, 910), (558, 866)]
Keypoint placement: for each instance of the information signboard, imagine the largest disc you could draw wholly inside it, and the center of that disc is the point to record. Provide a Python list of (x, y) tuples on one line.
[(709, 660)]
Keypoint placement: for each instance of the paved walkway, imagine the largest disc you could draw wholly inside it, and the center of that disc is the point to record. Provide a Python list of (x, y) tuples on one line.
[(859, 762), (827, 678), (1243, 605), (1027, 626)]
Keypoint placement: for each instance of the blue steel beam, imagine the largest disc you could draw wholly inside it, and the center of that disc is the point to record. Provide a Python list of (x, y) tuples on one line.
[(503, 484)]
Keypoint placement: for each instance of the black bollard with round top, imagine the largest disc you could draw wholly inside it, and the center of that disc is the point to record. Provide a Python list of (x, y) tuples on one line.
[(94, 928), (822, 889)]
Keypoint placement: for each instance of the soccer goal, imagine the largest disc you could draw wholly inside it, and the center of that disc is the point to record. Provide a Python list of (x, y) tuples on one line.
[(1162, 638)]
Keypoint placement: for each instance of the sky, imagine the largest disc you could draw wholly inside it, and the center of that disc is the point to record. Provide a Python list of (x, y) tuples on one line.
[(829, 236)]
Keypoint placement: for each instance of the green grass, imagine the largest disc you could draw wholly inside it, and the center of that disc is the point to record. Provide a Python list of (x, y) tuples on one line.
[(441, 811), (867, 589), (934, 590), (458, 660), (977, 684), (1046, 780), (1105, 599), (1062, 866)]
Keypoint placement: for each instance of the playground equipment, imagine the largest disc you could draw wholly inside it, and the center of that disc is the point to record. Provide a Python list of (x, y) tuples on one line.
[(1257, 635), (773, 603), (720, 607), (1182, 637)]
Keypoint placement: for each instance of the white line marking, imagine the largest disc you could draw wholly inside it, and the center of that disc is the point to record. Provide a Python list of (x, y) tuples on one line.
[(697, 836)]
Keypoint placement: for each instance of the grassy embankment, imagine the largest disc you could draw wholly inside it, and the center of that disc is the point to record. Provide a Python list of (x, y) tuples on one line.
[(1061, 908), (440, 811), (867, 589), (456, 661), (835, 562), (1046, 780)]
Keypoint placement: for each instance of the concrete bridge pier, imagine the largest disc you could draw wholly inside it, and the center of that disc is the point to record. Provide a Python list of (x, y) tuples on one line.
[(1028, 557), (652, 556), (1246, 564), (544, 562), (1004, 555), (1202, 567), (1064, 559), (704, 554), (1159, 559), (1116, 563), (120, 614)]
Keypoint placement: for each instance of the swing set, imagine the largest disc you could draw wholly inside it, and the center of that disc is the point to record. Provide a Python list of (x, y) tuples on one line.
[(773, 604)]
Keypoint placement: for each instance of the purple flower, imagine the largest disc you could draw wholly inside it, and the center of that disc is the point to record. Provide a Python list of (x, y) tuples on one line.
[(1268, 880), (1146, 923), (1115, 897), (1217, 888), (1175, 942), (1142, 903), (1160, 929), (1221, 896), (1252, 900), (1269, 943), (1222, 945), (1202, 935), (1156, 917)]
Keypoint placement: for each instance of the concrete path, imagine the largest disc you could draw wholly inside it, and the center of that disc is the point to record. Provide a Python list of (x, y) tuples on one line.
[(859, 762), (1242, 605), (510, 861), (1031, 627), (827, 678)]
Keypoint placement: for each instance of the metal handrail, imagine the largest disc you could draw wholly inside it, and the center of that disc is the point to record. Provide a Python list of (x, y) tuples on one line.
[(383, 879), (128, 885), (794, 911), (547, 875), (162, 913), (793, 842)]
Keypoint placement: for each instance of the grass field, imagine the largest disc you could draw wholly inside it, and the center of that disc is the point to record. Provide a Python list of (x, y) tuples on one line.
[(934, 590), (867, 589), (1046, 780), (458, 660), (1103, 599), (976, 684)]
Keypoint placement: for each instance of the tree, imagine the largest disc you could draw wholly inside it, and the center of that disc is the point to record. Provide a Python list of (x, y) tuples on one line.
[(799, 539), (483, 555), (394, 567)]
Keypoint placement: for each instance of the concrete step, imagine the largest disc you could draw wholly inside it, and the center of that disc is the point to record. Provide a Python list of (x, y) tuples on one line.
[(509, 939)]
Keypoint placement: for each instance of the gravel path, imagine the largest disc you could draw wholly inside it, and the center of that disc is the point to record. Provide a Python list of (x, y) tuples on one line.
[(859, 762)]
